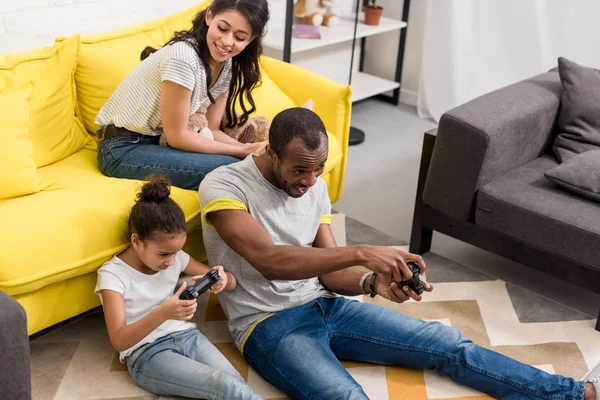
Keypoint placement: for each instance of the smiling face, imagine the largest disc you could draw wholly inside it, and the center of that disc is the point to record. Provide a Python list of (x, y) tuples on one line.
[(159, 253), (299, 167), (228, 34)]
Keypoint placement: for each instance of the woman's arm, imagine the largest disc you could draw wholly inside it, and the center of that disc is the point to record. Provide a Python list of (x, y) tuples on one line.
[(214, 115), (123, 336), (174, 110)]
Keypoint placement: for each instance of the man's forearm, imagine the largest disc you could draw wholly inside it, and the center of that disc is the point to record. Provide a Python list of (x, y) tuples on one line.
[(347, 281), (293, 263)]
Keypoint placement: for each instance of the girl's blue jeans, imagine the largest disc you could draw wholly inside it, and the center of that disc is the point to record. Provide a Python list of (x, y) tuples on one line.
[(186, 364), (139, 156)]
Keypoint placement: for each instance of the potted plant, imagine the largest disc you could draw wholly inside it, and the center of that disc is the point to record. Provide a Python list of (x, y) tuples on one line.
[(372, 13)]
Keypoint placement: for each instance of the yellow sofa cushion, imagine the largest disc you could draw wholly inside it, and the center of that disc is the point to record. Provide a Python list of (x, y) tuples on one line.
[(335, 154), (269, 99), (18, 174), (68, 232), (55, 131), (106, 58)]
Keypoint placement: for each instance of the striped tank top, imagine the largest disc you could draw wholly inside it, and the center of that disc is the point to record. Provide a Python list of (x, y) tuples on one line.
[(135, 104)]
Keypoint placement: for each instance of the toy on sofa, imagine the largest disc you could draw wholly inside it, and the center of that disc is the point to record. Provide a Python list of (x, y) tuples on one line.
[(197, 123), (315, 12), (256, 129)]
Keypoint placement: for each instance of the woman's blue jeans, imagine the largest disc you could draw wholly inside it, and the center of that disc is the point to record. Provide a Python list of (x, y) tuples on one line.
[(298, 350), (186, 364), (138, 156)]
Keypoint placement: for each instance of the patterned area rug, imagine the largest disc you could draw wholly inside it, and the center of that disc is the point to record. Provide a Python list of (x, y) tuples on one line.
[(76, 361)]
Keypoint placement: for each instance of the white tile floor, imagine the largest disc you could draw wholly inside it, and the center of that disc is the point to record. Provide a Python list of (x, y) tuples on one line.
[(380, 186)]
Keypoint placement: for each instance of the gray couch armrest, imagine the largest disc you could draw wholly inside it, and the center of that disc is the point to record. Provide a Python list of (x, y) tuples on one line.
[(15, 381), (487, 137)]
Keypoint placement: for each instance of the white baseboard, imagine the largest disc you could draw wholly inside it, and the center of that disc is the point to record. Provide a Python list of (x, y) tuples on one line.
[(408, 97)]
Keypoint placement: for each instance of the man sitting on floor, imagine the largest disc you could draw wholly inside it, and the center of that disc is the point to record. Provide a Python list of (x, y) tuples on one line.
[(267, 219)]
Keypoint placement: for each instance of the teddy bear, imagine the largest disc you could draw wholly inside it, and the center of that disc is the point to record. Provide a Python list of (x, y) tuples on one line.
[(256, 129), (314, 12), (197, 123)]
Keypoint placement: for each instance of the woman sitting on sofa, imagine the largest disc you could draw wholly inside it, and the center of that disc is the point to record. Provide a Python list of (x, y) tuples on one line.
[(215, 65)]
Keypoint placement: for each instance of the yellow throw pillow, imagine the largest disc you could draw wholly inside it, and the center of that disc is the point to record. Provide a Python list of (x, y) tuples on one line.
[(55, 131), (106, 58), (18, 174), (269, 99)]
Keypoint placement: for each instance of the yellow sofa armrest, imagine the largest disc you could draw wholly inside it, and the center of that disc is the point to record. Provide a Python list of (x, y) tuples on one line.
[(333, 103)]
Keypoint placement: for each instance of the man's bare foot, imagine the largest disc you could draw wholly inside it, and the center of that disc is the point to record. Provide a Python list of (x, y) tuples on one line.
[(590, 392), (247, 134), (592, 385)]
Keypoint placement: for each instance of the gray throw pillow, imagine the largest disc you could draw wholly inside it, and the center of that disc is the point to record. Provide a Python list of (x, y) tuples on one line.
[(578, 126), (581, 174)]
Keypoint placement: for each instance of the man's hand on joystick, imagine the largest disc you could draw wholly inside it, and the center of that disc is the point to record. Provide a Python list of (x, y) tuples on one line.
[(400, 292)]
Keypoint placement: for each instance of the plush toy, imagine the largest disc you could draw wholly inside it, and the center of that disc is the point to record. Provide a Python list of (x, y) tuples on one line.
[(314, 12), (256, 129), (197, 123)]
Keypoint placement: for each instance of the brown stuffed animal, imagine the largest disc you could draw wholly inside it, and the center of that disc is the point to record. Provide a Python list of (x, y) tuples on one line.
[(256, 129), (197, 123)]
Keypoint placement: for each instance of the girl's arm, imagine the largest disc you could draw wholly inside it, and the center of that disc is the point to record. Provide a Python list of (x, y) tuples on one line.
[(198, 269), (123, 336), (214, 115), (174, 110)]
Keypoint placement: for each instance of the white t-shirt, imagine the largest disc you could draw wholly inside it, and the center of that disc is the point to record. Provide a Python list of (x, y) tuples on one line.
[(143, 293)]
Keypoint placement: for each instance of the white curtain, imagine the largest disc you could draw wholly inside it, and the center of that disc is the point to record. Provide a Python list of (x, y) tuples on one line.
[(471, 47)]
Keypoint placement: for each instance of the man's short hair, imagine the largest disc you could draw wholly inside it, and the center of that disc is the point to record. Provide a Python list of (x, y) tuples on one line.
[(295, 123)]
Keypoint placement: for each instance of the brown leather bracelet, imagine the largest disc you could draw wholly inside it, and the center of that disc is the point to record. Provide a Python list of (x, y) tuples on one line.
[(372, 285)]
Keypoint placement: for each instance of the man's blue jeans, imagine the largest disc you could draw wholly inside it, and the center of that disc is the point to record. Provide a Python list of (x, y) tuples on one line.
[(298, 350), (138, 156), (186, 364)]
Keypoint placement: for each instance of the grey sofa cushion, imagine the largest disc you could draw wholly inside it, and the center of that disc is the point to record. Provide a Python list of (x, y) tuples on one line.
[(526, 206), (580, 174), (578, 126)]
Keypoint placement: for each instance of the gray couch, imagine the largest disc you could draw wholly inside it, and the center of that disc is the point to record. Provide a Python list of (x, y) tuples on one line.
[(15, 383), (482, 181)]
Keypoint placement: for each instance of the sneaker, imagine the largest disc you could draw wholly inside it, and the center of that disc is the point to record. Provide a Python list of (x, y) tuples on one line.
[(594, 378)]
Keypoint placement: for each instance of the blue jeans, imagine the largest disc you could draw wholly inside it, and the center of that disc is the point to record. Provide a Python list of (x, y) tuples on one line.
[(138, 156), (186, 364), (298, 350)]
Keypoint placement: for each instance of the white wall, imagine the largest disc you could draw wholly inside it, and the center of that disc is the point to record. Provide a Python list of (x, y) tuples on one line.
[(30, 24)]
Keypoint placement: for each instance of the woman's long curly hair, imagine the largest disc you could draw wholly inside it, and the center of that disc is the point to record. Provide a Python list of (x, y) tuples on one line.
[(245, 67)]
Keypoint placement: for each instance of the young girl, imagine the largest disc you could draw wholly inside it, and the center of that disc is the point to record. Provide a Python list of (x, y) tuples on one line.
[(214, 64), (148, 324)]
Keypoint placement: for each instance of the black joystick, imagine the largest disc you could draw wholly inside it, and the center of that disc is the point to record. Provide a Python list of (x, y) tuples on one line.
[(200, 286), (415, 283)]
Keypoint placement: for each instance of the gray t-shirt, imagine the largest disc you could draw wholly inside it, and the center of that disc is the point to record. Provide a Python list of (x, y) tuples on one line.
[(135, 104), (289, 221)]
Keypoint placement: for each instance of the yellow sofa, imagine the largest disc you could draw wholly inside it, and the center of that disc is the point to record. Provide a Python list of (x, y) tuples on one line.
[(61, 218)]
